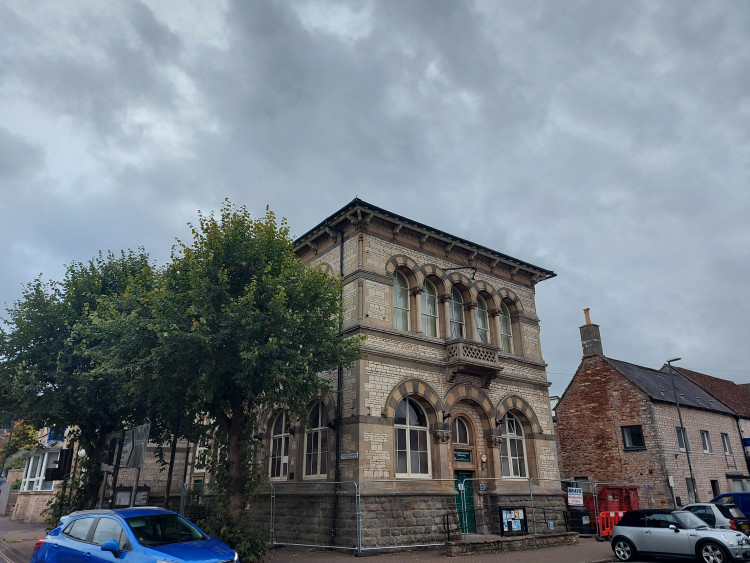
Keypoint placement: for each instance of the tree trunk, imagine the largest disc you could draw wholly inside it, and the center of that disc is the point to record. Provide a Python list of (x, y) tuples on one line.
[(237, 466)]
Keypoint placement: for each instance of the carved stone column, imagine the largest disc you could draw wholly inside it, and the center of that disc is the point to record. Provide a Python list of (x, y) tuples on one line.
[(445, 317), (495, 336), (494, 440), (417, 293), (470, 320), (441, 435)]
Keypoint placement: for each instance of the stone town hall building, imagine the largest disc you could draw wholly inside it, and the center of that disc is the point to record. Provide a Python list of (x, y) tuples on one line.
[(453, 384)]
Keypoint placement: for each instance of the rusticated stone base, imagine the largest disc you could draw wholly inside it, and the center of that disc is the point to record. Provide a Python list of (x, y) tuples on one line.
[(495, 544)]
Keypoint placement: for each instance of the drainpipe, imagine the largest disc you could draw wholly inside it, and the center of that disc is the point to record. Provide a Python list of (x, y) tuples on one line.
[(339, 384)]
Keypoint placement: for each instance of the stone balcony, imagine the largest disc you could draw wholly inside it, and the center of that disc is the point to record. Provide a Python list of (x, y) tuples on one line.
[(472, 358)]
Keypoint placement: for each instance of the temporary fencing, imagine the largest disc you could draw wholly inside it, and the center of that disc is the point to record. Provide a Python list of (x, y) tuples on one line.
[(400, 514)]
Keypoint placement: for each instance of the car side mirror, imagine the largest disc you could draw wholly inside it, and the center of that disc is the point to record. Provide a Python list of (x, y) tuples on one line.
[(113, 546), (673, 527)]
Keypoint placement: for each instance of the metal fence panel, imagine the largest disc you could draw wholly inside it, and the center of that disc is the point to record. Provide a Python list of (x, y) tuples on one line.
[(405, 513), (315, 514)]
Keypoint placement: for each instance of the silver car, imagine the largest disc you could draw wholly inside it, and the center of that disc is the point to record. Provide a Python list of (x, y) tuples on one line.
[(676, 533)]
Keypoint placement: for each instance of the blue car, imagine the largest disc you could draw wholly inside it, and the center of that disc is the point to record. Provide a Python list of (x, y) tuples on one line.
[(135, 535)]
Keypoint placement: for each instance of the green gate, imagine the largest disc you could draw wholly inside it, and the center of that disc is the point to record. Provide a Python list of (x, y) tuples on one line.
[(465, 502)]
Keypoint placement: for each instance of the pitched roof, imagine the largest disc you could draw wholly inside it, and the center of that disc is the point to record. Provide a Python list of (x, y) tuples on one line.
[(658, 386), (736, 397)]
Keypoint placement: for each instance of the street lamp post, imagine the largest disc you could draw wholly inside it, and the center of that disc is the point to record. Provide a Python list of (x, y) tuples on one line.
[(682, 429)]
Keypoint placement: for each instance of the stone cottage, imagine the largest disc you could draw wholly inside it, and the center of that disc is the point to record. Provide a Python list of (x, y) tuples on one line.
[(619, 422)]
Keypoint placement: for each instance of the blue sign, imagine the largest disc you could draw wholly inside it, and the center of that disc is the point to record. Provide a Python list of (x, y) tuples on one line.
[(745, 442)]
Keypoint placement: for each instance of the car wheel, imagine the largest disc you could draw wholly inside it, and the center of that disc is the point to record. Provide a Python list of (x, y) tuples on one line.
[(711, 552), (624, 549)]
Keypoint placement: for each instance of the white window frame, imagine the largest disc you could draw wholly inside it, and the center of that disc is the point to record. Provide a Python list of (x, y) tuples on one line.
[(318, 431), (514, 466), (36, 469), (278, 463), (682, 440), (430, 320), (457, 320), (482, 321), (727, 445), (412, 429), (457, 425), (506, 329), (401, 305), (706, 442)]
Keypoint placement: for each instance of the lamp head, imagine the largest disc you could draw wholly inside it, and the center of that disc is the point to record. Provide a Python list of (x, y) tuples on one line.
[(673, 360)]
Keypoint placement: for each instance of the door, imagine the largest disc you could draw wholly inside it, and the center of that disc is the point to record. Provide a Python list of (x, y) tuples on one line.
[(465, 502)]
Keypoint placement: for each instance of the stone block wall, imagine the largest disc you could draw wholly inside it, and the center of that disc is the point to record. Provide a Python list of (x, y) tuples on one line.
[(597, 403), (707, 465)]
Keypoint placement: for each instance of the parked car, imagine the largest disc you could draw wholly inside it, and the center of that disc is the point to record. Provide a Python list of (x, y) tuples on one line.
[(676, 533), (724, 516), (740, 498), (145, 534)]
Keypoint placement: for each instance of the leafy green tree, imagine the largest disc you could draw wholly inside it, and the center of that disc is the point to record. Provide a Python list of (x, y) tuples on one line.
[(47, 370), (23, 438), (249, 327)]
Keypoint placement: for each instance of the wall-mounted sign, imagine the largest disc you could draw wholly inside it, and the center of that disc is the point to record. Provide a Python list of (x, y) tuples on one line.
[(462, 455), (745, 442), (350, 455)]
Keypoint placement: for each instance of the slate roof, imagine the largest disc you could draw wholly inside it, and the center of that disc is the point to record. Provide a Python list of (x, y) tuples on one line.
[(736, 397), (658, 386)]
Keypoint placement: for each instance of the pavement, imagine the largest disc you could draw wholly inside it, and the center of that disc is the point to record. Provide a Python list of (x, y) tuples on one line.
[(17, 540)]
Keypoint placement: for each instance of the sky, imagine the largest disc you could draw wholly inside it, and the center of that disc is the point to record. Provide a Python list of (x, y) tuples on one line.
[(606, 141)]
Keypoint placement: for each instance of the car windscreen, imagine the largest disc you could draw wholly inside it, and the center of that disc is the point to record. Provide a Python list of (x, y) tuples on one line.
[(730, 510), (161, 529), (688, 520)]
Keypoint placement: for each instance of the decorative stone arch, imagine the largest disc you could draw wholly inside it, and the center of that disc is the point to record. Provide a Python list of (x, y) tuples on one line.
[(436, 273), (408, 388), (408, 267), (466, 392), (511, 299), (326, 268), (516, 403), (327, 400), (488, 292), (458, 278), (266, 417)]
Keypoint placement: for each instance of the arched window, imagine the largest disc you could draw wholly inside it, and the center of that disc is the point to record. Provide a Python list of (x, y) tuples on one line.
[(279, 463), (316, 443), (400, 302), (483, 322), (460, 432), (412, 445), (506, 335), (429, 309), (457, 314), (513, 448)]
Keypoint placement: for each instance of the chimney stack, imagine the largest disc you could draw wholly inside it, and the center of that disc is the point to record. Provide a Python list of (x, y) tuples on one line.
[(591, 340)]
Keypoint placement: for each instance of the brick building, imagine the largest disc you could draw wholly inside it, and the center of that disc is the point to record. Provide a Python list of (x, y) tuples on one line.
[(619, 422)]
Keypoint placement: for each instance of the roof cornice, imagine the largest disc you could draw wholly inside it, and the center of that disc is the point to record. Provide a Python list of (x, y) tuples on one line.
[(359, 212)]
